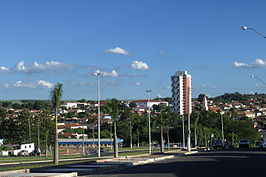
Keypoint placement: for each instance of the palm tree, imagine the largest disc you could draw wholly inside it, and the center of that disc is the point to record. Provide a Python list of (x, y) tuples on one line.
[(113, 108), (56, 95)]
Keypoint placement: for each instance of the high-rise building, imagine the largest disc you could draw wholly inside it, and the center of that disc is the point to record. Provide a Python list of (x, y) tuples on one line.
[(181, 92)]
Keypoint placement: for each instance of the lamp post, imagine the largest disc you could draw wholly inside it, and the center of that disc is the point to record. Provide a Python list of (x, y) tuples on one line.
[(149, 114), (256, 31), (99, 119), (189, 131), (222, 122), (252, 76)]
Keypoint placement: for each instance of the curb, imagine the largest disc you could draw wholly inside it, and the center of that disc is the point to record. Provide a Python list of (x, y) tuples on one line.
[(191, 152)]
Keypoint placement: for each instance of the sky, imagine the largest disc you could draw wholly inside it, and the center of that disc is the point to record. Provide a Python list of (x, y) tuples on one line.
[(135, 45)]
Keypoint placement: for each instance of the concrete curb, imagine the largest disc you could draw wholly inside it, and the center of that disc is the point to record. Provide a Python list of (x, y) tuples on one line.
[(14, 171), (191, 152)]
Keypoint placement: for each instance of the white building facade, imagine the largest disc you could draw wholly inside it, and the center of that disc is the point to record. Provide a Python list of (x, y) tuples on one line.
[(149, 103), (181, 92)]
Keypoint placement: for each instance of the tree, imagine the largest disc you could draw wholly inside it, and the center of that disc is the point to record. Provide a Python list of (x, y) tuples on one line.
[(132, 105), (56, 95), (113, 108), (201, 97)]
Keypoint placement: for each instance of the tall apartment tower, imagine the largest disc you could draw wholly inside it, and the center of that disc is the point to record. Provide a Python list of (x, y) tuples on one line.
[(181, 83)]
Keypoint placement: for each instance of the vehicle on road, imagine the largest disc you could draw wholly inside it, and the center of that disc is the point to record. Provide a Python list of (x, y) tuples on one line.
[(102, 150), (24, 153), (35, 153), (243, 143), (218, 144)]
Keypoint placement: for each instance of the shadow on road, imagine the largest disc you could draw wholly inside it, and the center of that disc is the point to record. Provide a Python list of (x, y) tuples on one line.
[(235, 163)]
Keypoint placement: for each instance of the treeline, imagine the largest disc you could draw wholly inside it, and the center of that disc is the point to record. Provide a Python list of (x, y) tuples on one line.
[(26, 104), (228, 97)]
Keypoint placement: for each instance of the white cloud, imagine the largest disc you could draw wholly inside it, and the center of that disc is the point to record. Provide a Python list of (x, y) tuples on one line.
[(2, 68), (106, 74), (21, 67), (45, 84), (162, 52), (37, 84), (258, 63), (139, 65), (207, 86), (117, 50), (6, 85), (47, 67), (137, 84), (75, 83), (159, 96), (112, 74)]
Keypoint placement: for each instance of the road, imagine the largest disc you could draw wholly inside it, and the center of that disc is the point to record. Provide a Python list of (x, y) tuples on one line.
[(218, 163)]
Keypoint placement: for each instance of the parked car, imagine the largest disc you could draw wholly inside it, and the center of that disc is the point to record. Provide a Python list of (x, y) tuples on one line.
[(243, 143), (218, 144), (35, 153), (102, 150), (23, 153)]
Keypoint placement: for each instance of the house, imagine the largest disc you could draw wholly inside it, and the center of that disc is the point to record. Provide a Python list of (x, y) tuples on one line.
[(70, 104), (17, 148)]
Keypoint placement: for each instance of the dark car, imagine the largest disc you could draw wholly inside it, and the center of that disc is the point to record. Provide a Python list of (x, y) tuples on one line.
[(102, 150), (218, 144), (243, 143), (35, 153)]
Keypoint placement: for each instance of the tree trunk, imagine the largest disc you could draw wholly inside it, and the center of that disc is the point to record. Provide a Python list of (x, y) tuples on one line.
[(168, 139), (115, 142), (93, 137), (138, 136), (46, 143), (56, 141), (195, 131), (162, 141), (195, 134), (111, 138), (130, 131)]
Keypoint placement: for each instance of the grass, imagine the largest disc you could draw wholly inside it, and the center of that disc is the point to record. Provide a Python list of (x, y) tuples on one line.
[(31, 158)]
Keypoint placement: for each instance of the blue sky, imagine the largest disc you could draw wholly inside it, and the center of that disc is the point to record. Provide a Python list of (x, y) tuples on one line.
[(137, 45)]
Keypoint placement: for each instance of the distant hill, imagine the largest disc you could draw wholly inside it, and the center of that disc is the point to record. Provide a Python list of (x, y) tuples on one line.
[(228, 97)]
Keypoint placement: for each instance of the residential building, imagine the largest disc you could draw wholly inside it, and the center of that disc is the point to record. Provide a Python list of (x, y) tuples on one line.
[(181, 92), (149, 103)]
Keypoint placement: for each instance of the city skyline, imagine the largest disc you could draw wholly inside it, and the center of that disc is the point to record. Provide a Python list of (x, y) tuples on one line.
[(136, 45)]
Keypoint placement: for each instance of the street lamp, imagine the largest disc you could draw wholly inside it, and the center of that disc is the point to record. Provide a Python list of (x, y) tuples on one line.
[(98, 73), (189, 131), (256, 31), (252, 76), (149, 113)]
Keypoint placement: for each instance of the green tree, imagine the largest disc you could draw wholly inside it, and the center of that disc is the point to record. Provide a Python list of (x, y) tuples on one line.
[(56, 95)]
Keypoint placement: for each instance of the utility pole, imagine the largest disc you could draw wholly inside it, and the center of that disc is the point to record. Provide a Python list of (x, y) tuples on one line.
[(29, 128), (99, 119), (39, 146), (183, 127), (189, 132), (149, 113), (222, 122), (83, 140)]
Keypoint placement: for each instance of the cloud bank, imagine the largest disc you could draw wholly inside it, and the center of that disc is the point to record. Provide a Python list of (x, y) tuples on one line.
[(258, 63), (36, 84), (50, 67)]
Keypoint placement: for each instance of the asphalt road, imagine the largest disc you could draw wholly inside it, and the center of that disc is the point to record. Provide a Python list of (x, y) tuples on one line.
[(247, 163)]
